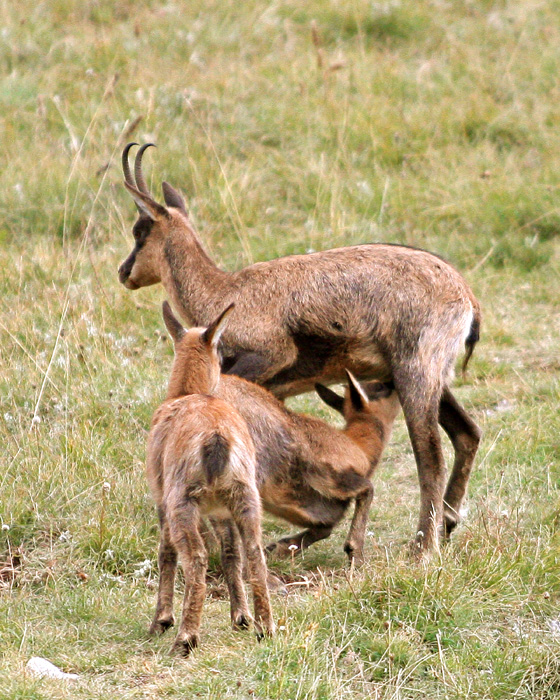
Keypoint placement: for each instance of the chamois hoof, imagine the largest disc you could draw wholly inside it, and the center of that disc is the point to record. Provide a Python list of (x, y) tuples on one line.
[(450, 522), (263, 631), (159, 627), (419, 551), (275, 584), (240, 621), (355, 554), (184, 646), (283, 550)]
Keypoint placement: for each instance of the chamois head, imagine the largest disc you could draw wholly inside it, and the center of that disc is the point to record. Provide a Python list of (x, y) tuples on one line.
[(196, 368), (366, 399), (143, 265)]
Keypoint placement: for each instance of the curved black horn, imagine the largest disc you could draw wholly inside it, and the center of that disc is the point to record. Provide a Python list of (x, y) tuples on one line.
[(140, 182), (125, 163)]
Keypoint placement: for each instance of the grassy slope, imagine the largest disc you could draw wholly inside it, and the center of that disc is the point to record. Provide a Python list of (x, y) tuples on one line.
[(429, 123)]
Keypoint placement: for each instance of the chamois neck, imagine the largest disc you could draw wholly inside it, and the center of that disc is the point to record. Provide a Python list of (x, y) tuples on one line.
[(195, 284), (184, 383), (370, 434)]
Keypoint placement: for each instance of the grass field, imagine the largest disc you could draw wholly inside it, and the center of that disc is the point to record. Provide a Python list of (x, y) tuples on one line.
[(289, 126)]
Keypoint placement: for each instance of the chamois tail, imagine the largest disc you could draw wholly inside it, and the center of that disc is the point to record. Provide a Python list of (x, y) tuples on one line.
[(215, 456), (472, 338)]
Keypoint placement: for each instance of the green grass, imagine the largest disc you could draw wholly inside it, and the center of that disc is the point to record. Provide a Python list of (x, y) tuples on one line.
[(428, 123)]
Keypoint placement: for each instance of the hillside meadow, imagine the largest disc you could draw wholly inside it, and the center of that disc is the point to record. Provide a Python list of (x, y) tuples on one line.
[(289, 127)]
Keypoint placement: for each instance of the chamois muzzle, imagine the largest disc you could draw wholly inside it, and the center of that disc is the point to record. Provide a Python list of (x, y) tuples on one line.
[(124, 273)]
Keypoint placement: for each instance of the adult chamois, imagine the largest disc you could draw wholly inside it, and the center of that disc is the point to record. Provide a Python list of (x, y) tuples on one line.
[(385, 312), (201, 462)]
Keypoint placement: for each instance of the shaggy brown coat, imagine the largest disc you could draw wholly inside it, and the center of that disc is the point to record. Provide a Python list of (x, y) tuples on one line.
[(308, 472), (382, 311), (201, 463)]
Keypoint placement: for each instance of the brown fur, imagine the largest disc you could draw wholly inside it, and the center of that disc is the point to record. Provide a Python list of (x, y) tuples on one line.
[(308, 472), (382, 311), (201, 462)]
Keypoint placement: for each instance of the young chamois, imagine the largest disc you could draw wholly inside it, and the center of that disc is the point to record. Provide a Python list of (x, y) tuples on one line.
[(330, 468), (201, 462), (385, 312), (308, 472)]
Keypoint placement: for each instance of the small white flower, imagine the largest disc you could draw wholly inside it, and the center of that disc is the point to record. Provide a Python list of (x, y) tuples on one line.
[(364, 187), (5, 527), (142, 569), (554, 627), (18, 189), (293, 547), (106, 486)]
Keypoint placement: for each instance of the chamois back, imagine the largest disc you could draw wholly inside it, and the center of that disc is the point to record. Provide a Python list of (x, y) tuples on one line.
[(201, 461)]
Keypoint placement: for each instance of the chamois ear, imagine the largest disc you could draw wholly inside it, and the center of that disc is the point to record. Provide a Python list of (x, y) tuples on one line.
[(172, 197), (330, 397), (146, 204), (176, 330), (357, 396), (212, 334)]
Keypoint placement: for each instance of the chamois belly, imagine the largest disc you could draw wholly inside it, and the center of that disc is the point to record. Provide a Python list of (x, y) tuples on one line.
[(318, 512), (324, 360)]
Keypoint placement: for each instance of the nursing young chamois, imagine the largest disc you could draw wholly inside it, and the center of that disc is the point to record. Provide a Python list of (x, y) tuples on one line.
[(201, 462), (308, 472), (385, 312)]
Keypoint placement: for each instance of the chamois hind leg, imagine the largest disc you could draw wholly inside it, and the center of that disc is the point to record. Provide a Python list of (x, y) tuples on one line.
[(246, 512), (465, 436), (232, 564), (183, 524), (420, 402), (167, 564), (354, 545)]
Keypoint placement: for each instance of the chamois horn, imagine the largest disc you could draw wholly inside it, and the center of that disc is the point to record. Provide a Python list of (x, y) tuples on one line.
[(125, 164), (140, 182)]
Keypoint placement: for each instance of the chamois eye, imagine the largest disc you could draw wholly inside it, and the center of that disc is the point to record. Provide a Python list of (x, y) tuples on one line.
[(140, 230)]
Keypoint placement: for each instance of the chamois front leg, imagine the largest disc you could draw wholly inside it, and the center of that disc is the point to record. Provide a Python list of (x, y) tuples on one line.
[(167, 564), (301, 541), (250, 366), (261, 368), (354, 545)]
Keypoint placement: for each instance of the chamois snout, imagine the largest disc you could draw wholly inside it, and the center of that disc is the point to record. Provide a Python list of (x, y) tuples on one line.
[(378, 390), (124, 273), (380, 396), (383, 399)]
